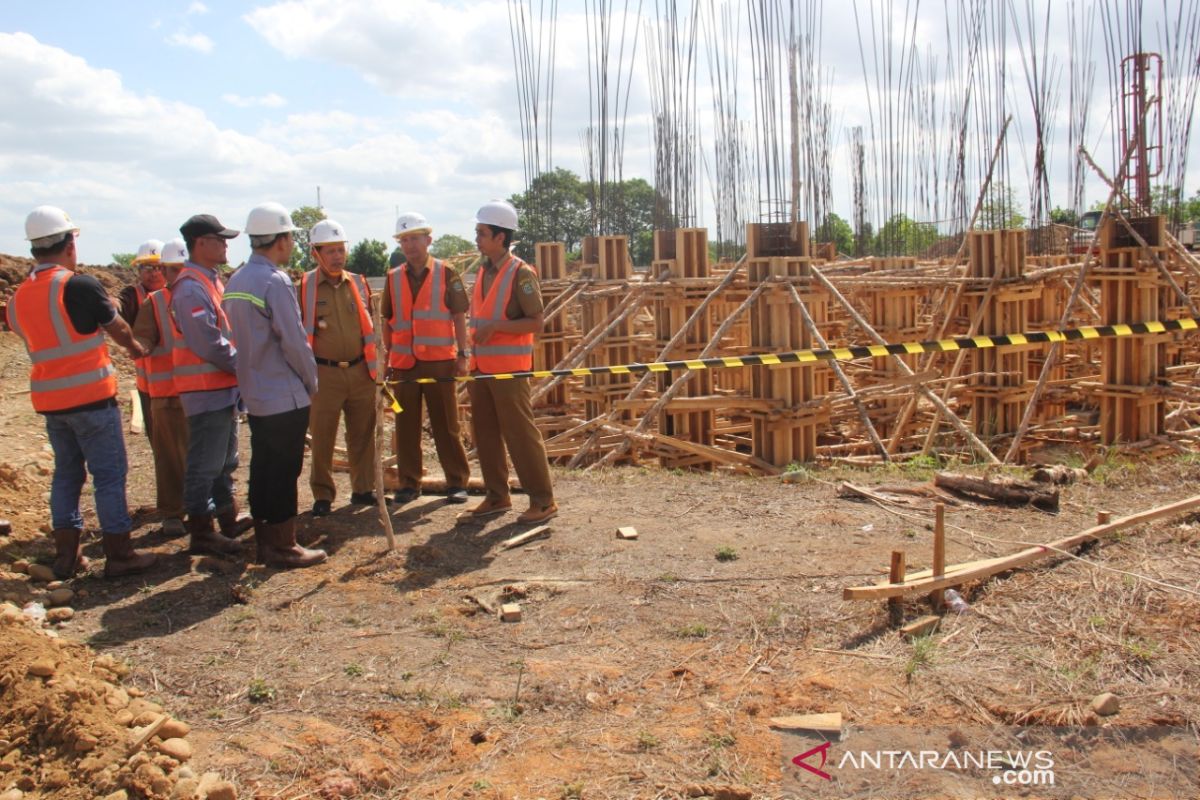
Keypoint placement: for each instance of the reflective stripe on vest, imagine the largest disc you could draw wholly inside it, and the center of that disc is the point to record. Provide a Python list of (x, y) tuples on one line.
[(139, 364), (422, 326), (70, 369), (362, 299), (160, 364), (192, 373), (503, 352)]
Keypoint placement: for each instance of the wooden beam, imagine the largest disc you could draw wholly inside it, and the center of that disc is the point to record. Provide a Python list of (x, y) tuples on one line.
[(924, 581)]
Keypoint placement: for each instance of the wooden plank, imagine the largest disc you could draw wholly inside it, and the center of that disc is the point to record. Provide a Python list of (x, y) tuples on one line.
[(526, 537), (137, 424), (924, 581), (826, 723), (939, 552), (923, 626), (627, 532)]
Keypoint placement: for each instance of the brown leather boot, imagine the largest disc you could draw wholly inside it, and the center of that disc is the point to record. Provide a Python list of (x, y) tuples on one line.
[(262, 541), (206, 540), (68, 553), (121, 559), (231, 524), (282, 550)]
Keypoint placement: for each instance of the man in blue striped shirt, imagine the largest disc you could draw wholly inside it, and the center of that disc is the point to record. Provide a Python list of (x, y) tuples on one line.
[(277, 377)]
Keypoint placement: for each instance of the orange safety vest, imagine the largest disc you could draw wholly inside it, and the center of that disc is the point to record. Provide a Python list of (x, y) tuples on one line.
[(503, 352), (139, 364), (70, 369), (160, 364), (422, 327), (191, 372), (362, 300)]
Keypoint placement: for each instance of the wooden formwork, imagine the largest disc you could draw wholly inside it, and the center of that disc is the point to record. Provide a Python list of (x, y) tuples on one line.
[(998, 389), (1132, 368), (682, 255), (894, 311), (558, 336), (778, 253), (607, 258)]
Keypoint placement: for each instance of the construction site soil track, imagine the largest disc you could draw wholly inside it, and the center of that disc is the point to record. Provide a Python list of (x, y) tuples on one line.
[(643, 668)]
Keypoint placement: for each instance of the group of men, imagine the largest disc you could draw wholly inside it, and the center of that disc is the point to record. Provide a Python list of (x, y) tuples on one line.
[(293, 359)]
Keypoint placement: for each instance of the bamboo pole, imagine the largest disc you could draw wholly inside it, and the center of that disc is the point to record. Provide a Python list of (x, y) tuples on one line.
[(662, 355), (841, 375), (678, 383), (382, 408), (979, 446), (1085, 267)]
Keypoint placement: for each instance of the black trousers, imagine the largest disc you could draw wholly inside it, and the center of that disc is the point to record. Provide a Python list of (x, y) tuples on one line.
[(276, 460)]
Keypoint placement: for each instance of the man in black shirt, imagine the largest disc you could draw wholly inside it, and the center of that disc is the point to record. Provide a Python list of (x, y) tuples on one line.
[(73, 384)]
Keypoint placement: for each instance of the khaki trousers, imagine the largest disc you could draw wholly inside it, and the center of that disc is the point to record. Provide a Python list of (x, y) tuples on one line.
[(502, 417), (442, 405), (169, 441), (351, 392)]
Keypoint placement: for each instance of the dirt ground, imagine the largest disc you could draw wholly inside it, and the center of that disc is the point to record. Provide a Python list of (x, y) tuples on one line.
[(647, 668)]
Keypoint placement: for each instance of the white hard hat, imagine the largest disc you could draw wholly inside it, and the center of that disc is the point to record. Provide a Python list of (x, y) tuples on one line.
[(411, 222), (499, 213), (149, 252), (268, 219), (174, 253), (327, 231), (48, 222)]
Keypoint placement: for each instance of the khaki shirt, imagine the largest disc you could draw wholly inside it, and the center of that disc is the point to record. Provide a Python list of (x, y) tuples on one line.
[(455, 294), (145, 326), (526, 298), (338, 334)]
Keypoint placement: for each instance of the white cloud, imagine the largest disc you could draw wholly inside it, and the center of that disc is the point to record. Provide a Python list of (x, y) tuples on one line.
[(197, 8), (415, 49), (192, 41), (270, 100), (129, 166)]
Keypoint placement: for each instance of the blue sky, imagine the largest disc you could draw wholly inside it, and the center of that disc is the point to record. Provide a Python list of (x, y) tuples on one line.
[(134, 115)]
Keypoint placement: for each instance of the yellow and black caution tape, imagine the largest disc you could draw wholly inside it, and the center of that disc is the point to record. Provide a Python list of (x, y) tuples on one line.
[(847, 353)]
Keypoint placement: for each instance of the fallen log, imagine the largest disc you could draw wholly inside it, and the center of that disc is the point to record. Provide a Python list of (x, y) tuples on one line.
[(1000, 489), (925, 581)]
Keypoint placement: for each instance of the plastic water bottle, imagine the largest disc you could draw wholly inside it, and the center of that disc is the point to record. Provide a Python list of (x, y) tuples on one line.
[(955, 602), (35, 610)]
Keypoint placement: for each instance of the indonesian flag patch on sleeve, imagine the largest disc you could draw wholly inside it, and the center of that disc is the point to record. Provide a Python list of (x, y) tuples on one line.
[(198, 311)]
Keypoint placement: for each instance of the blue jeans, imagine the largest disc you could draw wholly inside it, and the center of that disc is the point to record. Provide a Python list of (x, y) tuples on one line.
[(211, 459), (83, 442)]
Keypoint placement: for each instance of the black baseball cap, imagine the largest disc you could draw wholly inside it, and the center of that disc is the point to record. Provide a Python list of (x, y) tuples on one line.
[(205, 225)]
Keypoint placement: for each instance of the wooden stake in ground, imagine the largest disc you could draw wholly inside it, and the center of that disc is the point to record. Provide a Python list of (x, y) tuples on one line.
[(938, 596), (382, 407)]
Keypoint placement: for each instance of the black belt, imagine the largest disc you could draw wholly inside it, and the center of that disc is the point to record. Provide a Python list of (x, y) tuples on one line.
[(325, 362)]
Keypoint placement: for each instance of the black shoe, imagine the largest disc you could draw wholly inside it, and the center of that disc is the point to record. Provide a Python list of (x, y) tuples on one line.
[(456, 494), (364, 499), (321, 508), (406, 495)]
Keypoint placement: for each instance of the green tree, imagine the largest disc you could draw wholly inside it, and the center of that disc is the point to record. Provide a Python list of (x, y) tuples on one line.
[(837, 230), (553, 209), (1064, 216), (1000, 210), (901, 236), (123, 259), (631, 213), (448, 245), (304, 218), (369, 257)]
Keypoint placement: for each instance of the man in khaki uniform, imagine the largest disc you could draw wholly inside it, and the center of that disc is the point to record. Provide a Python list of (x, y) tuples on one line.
[(169, 438), (336, 310), (506, 314), (425, 305)]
